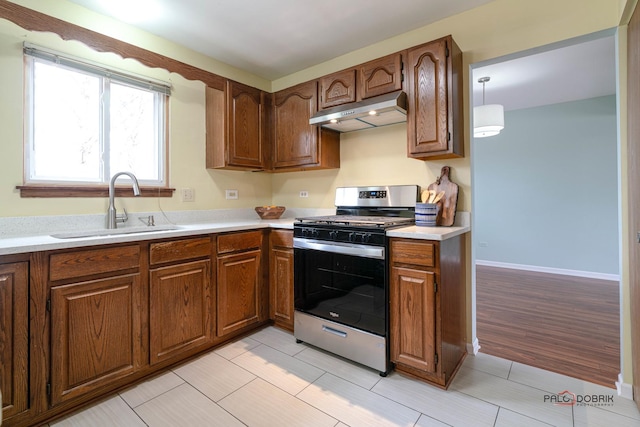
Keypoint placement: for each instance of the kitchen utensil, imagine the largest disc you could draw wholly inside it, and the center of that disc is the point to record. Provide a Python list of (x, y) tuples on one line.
[(449, 200), (425, 196), (439, 196)]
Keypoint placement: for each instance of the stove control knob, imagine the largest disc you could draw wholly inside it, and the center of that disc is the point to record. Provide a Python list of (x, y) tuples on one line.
[(315, 232), (366, 237), (333, 234), (352, 237)]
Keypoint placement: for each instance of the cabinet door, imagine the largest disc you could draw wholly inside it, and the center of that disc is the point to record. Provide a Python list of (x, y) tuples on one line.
[(295, 140), (237, 136), (338, 88), (180, 309), (14, 338), (281, 278), (95, 335), (430, 93), (380, 76), (413, 318), (239, 291), (246, 126)]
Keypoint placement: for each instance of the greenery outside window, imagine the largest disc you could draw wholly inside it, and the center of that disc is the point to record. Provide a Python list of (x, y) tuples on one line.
[(84, 123)]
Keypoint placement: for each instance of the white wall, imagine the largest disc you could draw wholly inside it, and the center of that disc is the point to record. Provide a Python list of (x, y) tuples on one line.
[(546, 188)]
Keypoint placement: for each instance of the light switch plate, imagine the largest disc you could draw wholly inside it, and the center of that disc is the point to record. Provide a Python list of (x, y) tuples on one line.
[(231, 194)]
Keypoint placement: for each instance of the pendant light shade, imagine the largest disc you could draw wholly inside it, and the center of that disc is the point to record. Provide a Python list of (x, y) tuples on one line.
[(488, 120)]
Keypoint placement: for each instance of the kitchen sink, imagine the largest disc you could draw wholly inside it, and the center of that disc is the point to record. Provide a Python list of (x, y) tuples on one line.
[(114, 231)]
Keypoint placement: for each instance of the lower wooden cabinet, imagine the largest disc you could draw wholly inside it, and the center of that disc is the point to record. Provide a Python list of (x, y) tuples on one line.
[(96, 318), (180, 310), (427, 308), (95, 334), (181, 298), (240, 292), (413, 317), (281, 278), (14, 339), (117, 313)]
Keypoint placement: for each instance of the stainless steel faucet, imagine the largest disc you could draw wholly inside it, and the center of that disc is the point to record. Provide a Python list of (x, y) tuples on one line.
[(112, 217)]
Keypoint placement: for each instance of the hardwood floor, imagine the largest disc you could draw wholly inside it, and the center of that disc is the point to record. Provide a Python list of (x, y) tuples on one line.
[(564, 324)]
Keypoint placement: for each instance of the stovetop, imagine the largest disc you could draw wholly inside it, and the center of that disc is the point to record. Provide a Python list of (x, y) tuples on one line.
[(381, 222), (363, 214)]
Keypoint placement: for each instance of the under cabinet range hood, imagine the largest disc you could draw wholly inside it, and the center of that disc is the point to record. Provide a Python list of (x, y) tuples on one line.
[(380, 110)]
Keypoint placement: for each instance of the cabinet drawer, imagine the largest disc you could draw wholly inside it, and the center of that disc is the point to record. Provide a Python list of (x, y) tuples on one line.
[(282, 238), (179, 250), (239, 241), (412, 252), (93, 261)]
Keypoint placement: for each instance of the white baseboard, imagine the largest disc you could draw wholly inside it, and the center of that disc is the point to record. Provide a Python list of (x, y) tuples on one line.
[(624, 390), (473, 348), (565, 272)]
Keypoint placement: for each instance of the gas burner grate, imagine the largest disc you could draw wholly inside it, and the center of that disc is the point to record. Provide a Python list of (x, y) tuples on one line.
[(355, 221)]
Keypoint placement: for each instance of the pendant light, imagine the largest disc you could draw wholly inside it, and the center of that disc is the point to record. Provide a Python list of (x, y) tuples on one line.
[(488, 120)]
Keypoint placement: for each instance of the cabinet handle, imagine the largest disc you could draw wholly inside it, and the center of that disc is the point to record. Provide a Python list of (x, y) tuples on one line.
[(334, 331)]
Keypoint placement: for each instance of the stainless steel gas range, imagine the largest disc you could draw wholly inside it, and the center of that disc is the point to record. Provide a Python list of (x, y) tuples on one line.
[(341, 272)]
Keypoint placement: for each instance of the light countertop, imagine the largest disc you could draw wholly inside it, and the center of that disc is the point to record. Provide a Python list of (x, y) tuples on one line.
[(15, 245), (43, 241), (428, 233)]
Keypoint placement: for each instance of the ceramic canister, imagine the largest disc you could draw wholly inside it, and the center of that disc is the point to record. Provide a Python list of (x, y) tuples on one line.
[(426, 214)]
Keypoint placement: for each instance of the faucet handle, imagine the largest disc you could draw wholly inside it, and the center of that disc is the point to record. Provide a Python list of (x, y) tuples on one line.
[(122, 217)]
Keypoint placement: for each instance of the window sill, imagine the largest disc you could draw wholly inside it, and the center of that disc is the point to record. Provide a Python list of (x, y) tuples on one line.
[(89, 191)]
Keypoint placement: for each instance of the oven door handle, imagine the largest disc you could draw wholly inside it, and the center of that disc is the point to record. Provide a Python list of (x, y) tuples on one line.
[(364, 251)]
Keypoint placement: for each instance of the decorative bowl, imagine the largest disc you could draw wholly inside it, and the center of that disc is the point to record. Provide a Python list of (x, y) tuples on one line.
[(270, 212)]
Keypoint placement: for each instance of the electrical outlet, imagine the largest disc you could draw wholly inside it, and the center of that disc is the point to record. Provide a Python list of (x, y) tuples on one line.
[(231, 194), (188, 195), (304, 194)]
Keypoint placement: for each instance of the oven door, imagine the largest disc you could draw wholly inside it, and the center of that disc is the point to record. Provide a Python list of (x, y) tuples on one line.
[(341, 282)]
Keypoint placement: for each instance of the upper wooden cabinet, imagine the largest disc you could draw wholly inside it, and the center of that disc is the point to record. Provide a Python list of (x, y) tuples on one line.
[(297, 145), (434, 95), (380, 76), (373, 78), (337, 88), (14, 339), (237, 127), (248, 129)]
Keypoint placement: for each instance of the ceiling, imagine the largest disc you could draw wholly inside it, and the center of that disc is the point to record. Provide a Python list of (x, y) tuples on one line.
[(275, 38), (579, 71)]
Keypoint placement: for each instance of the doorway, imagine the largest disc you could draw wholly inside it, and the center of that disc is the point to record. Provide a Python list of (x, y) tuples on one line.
[(539, 235)]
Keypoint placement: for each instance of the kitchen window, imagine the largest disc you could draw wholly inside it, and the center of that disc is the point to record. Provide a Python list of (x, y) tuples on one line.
[(85, 122)]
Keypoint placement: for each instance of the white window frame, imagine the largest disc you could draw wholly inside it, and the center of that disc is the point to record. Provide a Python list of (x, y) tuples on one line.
[(161, 90)]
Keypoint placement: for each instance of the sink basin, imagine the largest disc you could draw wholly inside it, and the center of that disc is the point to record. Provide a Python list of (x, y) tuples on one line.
[(114, 232)]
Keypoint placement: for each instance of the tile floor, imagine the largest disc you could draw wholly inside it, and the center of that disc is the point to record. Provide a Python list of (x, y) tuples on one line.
[(267, 379)]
